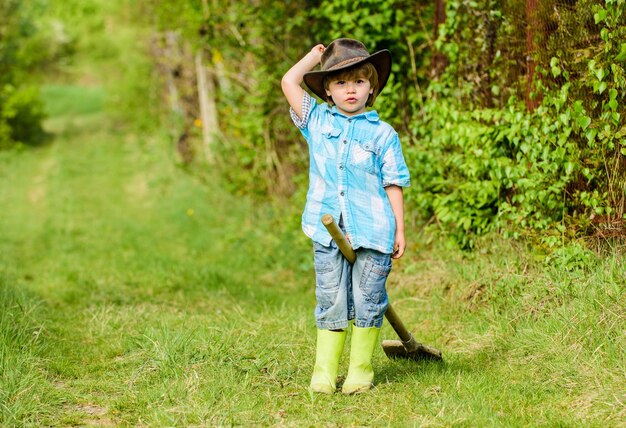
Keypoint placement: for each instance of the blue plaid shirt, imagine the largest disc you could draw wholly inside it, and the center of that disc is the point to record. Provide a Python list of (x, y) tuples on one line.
[(351, 161)]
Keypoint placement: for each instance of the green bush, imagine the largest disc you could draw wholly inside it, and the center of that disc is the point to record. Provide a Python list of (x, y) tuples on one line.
[(557, 171), (29, 44), (21, 114), (477, 171)]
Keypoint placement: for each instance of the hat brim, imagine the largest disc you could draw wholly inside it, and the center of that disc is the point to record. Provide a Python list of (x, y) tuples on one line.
[(381, 61)]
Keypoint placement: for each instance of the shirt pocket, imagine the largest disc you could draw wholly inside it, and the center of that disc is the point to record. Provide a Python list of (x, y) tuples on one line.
[(327, 144), (364, 156)]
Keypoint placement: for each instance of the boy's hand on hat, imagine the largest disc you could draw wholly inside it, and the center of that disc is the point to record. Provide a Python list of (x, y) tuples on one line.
[(318, 50)]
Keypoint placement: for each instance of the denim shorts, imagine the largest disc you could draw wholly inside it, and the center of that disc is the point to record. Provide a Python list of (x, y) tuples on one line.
[(348, 292)]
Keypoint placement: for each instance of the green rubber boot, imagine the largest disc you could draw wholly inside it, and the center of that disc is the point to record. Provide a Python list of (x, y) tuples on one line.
[(327, 356), (360, 372)]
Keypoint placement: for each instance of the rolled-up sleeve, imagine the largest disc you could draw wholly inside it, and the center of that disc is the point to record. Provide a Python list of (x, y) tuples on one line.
[(394, 169), (301, 123)]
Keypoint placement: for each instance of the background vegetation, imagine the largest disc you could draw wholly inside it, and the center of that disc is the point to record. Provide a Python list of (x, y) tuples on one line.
[(153, 271), (511, 113)]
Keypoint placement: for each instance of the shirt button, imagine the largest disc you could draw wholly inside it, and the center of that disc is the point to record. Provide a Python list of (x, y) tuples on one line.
[(340, 166), (345, 141), (341, 193)]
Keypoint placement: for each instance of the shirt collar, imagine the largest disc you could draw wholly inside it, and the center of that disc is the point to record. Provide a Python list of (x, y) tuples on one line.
[(370, 115)]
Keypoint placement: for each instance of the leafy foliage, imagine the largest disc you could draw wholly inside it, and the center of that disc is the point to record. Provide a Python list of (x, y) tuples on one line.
[(490, 163), (31, 42), (21, 113), (19, 109), (489, 148)]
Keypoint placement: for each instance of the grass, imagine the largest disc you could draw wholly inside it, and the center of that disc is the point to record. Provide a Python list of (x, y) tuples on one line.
[(133, 294), (23, 385)]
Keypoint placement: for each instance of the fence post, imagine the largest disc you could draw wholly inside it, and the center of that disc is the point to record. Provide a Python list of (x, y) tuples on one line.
[(439, 61), (532, 23)]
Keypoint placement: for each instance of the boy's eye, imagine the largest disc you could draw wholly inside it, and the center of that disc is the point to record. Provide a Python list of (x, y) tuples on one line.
[(340, 82)]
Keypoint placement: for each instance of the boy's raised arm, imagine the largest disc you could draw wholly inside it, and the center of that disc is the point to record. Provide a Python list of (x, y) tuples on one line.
[(293, 78)]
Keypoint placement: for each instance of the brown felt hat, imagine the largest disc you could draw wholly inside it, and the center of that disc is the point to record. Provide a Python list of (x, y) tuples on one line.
[(344, 53)]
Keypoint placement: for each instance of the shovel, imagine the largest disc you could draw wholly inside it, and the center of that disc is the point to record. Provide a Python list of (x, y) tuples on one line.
[(407, 347)]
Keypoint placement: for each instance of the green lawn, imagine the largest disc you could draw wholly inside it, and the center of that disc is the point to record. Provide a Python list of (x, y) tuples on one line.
[(134, 294)]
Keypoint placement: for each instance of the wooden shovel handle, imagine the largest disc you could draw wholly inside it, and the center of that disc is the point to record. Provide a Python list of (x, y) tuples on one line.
[(339, 237), (348, 252), (407, 338)]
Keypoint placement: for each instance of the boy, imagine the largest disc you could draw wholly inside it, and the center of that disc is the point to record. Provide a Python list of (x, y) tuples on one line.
[(356, 174)]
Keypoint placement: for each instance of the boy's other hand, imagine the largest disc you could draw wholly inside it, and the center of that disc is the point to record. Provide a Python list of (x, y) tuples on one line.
[(398, 247)]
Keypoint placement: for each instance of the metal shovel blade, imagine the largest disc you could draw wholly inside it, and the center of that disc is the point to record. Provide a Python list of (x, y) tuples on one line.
[(415, 351)]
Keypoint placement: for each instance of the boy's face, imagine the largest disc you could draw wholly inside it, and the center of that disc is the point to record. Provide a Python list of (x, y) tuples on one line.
[(350, 94)]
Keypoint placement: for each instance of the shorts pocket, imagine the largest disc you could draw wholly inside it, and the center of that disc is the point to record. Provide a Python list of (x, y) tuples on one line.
[(327, 267), (324, 258), (323, 267), (374, 280), (327, 277)]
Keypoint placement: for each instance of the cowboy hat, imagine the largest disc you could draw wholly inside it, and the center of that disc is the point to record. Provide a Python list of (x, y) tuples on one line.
[(344, 53)]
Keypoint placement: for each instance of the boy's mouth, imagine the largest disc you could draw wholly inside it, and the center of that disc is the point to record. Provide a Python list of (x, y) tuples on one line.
[(351, 100)]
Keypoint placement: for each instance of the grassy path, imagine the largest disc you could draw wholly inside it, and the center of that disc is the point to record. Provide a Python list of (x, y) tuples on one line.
[(133, 294), (136, 295), (150, 290)]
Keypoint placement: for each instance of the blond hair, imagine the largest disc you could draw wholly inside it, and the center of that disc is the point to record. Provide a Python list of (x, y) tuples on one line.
[(362, 71)]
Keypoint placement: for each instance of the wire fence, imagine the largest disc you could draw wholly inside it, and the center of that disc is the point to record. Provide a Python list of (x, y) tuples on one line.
[(507, 44)]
